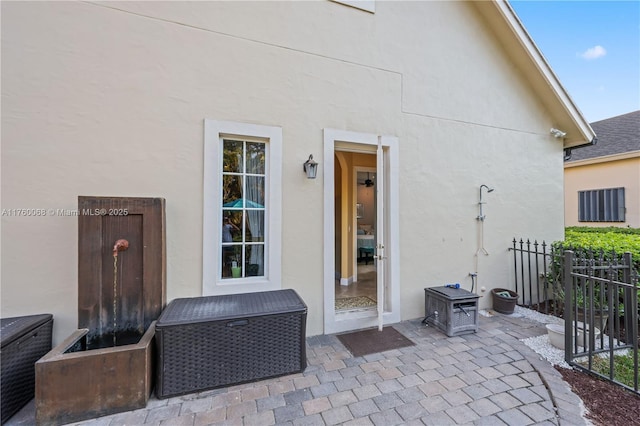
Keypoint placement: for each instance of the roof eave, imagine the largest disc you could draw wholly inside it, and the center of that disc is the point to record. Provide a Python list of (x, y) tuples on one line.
[(586, 135)]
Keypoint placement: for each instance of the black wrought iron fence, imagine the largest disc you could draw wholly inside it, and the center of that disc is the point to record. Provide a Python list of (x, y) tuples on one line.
[(601, 318), (536, 282), (539, 268), (597, 294)]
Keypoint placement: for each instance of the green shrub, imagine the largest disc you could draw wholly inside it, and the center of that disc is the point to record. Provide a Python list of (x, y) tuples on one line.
[(607, 240), (593, 242)]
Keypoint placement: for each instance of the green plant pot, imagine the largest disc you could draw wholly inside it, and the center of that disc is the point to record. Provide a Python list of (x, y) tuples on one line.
[(236, 272)]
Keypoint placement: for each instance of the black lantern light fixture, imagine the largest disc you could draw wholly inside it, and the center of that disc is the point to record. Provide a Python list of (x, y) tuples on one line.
[(310, 167)]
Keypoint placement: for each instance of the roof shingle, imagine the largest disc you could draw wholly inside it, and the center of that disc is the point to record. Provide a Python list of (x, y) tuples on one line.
[(616, 135)]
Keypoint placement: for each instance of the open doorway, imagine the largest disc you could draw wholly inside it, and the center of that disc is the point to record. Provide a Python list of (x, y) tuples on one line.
[(358, 291), (361, 287)]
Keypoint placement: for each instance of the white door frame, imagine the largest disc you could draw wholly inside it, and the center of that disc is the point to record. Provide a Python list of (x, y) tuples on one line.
[(335, 323)]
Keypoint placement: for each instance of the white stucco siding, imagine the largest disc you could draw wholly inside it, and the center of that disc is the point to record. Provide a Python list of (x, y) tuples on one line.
[(109, 99), (439, 201)]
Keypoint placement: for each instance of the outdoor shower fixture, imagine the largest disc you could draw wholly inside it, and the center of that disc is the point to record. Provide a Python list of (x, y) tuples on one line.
[(481, 216)]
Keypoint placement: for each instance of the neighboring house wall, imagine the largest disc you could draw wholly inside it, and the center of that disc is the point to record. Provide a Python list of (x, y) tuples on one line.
[(613, 162), (110, 99), (620, 171)]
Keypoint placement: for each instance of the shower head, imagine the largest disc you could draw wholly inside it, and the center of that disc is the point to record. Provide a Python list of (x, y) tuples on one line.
[(480, 203)]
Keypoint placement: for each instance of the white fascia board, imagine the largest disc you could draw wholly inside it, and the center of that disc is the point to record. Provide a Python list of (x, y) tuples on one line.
[(541, 63), (603, 159)]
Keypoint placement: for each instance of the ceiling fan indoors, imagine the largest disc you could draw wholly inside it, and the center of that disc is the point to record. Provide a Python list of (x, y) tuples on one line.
[(368, 182)]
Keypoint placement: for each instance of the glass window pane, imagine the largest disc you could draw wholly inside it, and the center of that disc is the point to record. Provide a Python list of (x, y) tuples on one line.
[(255, 192), (232, 192), (232, 162), (255, 260), (255, 226), (232, 261), (232, 226), (255, 158)]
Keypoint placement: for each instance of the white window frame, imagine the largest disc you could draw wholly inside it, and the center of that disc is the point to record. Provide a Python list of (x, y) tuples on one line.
[(212, 282)]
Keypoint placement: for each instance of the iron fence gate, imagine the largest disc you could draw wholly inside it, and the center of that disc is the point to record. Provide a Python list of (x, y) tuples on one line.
[(596, 293), (602, 345)]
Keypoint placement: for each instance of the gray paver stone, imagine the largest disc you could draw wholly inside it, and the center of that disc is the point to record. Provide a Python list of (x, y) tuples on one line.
[(288, 413), (342, 398), (387, 401), (297, 396), (537, 412), (514, 417), (438, 419), (435, 404), (260, 419), (410, 394), (477, 391), (515, 382), (484, 407), (346, 384), (270, 402), (323, 390), (389, 386), (366, 392), (525, 395), (505, 400), (363, 408), (411, 411), (462, 414), (161, 413), (337, 415), (386, 418)]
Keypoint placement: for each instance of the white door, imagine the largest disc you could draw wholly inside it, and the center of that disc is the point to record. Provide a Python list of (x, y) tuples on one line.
[(380, 257), (386, 253)]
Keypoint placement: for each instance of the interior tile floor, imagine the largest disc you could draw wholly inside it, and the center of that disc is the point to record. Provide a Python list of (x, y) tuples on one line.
[(364, 287)]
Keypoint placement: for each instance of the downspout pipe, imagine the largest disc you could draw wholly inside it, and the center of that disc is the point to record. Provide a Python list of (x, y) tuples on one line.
[(567, 151)]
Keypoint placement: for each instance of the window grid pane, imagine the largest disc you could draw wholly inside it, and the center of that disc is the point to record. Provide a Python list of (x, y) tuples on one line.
[(243, 208), (601, 205)]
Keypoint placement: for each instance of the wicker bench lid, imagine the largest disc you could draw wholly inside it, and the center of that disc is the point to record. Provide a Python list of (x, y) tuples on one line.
[(13, 328), (210, 308)]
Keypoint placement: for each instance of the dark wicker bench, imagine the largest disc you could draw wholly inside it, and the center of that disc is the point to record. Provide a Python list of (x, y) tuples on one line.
[(215, 341), (24, 341)]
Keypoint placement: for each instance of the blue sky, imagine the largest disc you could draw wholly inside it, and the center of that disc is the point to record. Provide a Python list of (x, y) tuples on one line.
[(594, 49)]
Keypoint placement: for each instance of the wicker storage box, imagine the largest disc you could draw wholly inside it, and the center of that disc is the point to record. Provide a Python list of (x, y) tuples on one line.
[(215, 341), (457, 310), (24, 341)]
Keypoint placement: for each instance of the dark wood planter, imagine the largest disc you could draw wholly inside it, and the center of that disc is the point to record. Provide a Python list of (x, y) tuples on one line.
[(77, 385), (106, 366)]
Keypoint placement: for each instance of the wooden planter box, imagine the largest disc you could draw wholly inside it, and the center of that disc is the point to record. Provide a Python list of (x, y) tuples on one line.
[(74, 384)]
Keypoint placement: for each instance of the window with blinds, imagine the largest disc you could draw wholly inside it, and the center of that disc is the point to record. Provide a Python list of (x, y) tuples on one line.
[(601, 205)]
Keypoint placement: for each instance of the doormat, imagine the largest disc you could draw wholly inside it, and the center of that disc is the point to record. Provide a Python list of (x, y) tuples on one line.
[(372, 341), (354, 302)]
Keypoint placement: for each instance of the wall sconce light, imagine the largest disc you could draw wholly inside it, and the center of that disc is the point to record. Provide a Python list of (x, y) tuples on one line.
[(310, 167), (557, 133)]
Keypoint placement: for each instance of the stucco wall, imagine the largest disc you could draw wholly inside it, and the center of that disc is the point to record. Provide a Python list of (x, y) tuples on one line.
[(588, 175), (109, 99)]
